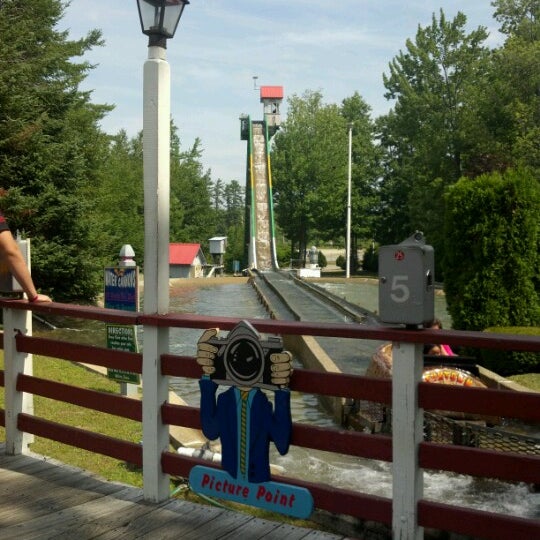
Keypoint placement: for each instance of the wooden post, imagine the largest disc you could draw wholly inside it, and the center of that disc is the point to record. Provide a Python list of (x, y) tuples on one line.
[(16, 321), (407, 433), (156, 162)]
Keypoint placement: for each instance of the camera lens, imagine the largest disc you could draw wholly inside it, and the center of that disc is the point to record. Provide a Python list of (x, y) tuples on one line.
[(244, 362)]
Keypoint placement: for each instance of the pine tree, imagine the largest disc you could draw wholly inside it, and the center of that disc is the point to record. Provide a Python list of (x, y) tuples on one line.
[(50, 146)]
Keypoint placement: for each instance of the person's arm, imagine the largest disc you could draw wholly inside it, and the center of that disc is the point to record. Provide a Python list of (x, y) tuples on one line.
[(11, 253)]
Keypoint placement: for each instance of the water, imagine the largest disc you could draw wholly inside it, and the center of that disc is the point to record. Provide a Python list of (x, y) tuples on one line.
[(373, 477), (364, 292)]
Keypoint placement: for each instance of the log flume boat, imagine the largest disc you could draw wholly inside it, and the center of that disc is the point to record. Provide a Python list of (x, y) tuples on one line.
[(446, 427)]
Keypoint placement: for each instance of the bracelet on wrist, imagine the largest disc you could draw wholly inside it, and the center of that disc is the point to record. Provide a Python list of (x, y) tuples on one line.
[(34, 298)]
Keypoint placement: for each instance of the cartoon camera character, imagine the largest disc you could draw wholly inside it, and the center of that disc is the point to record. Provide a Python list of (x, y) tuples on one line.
[(243, 417)]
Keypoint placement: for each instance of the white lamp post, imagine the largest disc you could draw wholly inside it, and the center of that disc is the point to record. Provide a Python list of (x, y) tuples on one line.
[(159, 19), (348, 261)]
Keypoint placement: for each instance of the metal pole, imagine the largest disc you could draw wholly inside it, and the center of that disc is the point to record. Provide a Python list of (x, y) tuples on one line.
[(156, 158), (349, 178)]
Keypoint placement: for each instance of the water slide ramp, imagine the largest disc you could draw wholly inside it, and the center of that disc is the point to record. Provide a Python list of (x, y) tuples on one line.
[(262, 252)]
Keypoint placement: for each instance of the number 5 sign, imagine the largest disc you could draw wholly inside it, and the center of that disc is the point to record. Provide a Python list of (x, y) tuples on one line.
[(406, 282)]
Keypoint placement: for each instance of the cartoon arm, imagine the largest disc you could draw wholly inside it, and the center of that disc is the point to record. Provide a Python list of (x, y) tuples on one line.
[(205, 358), (281, 423), (281, 368), (207, 352)]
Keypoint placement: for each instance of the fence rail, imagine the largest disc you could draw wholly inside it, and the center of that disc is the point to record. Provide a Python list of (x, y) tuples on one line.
[(407, 512)]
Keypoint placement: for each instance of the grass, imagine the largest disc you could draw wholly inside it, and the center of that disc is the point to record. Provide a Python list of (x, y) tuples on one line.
[(529, 380)]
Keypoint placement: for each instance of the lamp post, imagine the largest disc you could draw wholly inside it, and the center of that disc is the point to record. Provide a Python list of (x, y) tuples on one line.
[(159, 19), (349, 176)]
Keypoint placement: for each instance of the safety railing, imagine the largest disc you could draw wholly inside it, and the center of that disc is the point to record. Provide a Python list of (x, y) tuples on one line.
[(407, 512)]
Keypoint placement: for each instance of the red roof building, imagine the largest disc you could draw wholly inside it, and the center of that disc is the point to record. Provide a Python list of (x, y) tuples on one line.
[(186, 260)]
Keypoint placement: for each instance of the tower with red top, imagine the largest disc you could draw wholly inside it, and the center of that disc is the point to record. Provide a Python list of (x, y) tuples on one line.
[(271, 98), (260, 237)]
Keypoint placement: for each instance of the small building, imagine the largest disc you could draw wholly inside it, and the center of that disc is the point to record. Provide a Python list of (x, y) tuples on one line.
[(271, 98), (218, 245), (186, 261)]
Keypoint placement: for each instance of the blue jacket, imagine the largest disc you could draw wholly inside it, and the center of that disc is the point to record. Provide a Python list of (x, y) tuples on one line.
[(220, 420)]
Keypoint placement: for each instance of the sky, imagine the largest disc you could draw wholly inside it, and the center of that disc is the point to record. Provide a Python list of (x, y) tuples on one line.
[(336, 47)]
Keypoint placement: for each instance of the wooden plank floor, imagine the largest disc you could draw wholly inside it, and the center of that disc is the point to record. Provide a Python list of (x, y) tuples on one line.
[(44, 499)]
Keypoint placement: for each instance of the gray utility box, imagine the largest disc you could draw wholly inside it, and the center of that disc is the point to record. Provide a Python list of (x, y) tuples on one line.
[(406, 282)]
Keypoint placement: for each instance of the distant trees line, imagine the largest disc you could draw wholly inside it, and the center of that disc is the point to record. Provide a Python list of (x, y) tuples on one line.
[(457, 157)]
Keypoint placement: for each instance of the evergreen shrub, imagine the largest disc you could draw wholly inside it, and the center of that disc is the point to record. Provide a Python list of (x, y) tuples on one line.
[(370, 262), (507, 363), (491, 262)]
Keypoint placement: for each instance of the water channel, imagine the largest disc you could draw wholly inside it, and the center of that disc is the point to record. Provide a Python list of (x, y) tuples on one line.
[(373, 477)]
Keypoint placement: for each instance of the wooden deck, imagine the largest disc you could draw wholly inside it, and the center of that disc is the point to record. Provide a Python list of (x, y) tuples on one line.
[(42, 498)]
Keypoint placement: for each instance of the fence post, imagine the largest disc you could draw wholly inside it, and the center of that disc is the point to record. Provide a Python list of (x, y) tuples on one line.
[(16, 402), (407, 433), (156, 165), (155, 433)]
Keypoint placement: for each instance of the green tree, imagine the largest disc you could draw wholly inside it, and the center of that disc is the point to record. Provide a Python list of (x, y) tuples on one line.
[(229, 207), (425, 134), (192, 218), (234, 201), (50, 146), (519, 18), (309, 164), (365, 172), (119, 213), (492, 260), (509, 101), (217, 193)]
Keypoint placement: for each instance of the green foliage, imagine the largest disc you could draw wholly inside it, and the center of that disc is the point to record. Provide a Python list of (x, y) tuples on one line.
[(370, 262), (192, 217), (283, 250), (309, 153), (119, 198), (310, 169), (321, 260), (235, 247), (426, 135), (511, 362), (354, 264), (50, 147), (519, 18), (529, 380), (492, 258)]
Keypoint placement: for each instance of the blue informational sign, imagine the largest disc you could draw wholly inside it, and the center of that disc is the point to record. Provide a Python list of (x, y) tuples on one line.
[(272, 496), (122, 292), (122, 288)]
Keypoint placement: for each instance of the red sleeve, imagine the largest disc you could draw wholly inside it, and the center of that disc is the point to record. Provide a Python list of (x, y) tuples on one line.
[(3, 223)]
